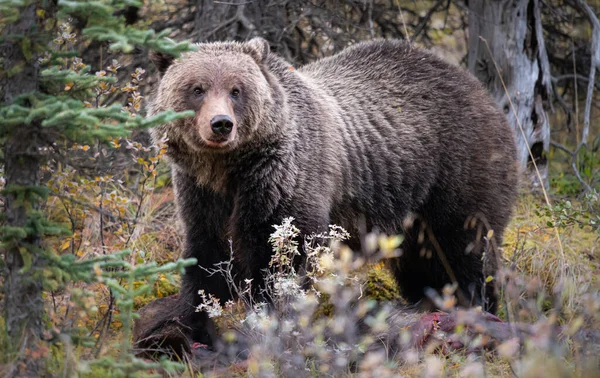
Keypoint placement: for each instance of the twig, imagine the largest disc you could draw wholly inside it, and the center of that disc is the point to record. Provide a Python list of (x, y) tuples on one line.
[(230, 3), (546, 79), (563, 104), (594, 64), (537, 171), (105, 325), (241, 17), (561, 147), (102, 220), (176, 22), (90, 206), (406, 37), (111, 299), (70, 215), (560, 78), (447, 13), (576, 95), (137, 214), (425, 19), (370, 16), (221, 26), (574, 155)]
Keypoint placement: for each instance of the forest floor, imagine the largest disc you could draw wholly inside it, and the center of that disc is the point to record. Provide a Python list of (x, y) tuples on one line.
[(549, 283), (566, 271)]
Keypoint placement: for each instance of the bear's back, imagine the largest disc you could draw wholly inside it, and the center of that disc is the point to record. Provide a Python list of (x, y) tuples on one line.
[(419, 133), (392, 62)]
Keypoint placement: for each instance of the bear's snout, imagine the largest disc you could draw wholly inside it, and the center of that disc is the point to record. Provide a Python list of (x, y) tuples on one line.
[(216, 122), (221, 125)]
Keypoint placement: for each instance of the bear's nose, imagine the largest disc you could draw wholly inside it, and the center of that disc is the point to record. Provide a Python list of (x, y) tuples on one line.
[(221, 125)]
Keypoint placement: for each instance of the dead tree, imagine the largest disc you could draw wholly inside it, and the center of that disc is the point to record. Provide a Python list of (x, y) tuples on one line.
[(507, 53)]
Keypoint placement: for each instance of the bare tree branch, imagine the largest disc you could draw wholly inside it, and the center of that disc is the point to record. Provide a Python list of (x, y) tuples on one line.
[(546, 77), (425, 19), (573, 154), (594, 65)]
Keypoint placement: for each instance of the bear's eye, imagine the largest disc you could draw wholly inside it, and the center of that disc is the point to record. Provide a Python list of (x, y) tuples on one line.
[(235, 92), (198, 91)]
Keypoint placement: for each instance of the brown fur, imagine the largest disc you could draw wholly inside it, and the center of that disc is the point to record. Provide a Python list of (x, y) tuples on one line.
[(375, 135)]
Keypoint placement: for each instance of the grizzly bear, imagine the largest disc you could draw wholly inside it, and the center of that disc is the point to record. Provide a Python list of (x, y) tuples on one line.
[(382, 136)]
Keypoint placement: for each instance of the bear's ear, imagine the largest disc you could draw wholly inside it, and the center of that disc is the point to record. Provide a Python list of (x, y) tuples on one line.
[(161, 60), (258, 48)]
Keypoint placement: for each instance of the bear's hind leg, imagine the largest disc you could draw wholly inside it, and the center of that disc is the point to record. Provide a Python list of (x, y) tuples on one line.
[(432, 260)]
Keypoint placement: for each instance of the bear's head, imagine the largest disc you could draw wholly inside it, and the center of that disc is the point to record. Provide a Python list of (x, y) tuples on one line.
[(228, 87)]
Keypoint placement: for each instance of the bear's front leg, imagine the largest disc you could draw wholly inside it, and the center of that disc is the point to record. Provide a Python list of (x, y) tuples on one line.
[(204, 215), (251, 227), (258, 208)]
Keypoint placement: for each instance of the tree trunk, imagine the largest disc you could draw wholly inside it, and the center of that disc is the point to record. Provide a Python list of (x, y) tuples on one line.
[(23, 302), (513, 31)]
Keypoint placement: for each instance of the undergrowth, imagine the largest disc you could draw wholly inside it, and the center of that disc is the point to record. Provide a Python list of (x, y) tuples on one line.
[(310, 334)]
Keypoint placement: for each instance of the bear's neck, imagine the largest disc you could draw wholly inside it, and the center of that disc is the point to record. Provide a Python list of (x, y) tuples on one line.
[(226, 172)]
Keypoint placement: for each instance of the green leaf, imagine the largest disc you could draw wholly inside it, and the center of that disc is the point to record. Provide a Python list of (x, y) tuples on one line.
[(26, 48), (27, 259)]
